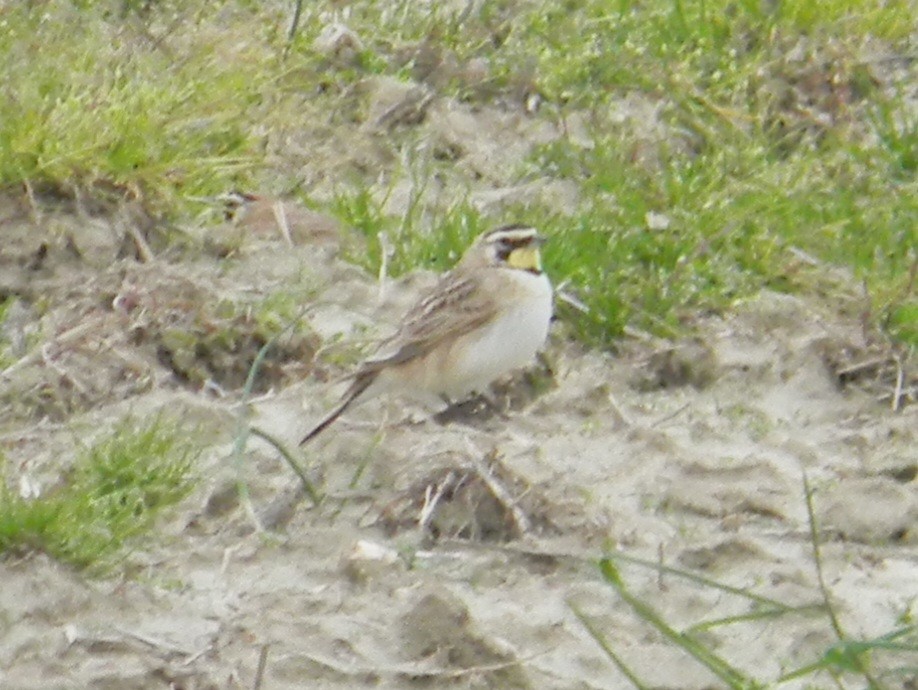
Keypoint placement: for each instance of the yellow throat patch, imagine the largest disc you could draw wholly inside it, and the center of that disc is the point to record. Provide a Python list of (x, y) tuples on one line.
[(526, 258)]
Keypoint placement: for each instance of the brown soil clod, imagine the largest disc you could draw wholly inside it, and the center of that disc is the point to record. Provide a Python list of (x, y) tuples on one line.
[(439, 629), (881, 368), (478, 501), (689, 362)]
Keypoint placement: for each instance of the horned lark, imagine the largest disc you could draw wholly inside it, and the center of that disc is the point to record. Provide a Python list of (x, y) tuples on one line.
[(485, 317), (265, 215)]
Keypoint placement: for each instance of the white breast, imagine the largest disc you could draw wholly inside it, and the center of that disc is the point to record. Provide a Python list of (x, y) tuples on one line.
[(510, 342)]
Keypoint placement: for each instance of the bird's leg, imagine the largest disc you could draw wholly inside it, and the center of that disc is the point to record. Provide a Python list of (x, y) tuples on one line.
[(490, 401), (476, 408)]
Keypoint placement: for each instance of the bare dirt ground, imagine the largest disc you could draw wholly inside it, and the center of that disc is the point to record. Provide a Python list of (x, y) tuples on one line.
[(448, 554)]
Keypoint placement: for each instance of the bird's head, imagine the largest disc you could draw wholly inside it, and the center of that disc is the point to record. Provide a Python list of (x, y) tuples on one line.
[(510, 246)]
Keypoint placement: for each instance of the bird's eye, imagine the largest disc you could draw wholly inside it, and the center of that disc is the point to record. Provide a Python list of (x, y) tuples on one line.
[(504, 249)]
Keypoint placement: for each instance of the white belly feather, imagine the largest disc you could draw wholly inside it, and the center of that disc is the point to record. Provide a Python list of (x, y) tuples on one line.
[(510, 342)]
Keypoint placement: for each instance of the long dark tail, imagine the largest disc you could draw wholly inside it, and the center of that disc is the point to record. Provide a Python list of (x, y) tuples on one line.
[(360, 384)]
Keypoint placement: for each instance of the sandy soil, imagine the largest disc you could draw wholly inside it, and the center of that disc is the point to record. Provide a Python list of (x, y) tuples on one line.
[(444, 554)]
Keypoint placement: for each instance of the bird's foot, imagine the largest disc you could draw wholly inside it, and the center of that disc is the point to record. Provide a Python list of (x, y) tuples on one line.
[(477, 409)]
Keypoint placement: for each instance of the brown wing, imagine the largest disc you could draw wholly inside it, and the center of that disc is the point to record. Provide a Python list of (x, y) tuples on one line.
[(456, 305)]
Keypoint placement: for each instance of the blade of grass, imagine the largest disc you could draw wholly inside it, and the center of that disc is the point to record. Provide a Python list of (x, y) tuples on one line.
[(741, 618), (733, 677), (708, 582), (600, 639), (314, 494), (845, 656), (243, 428)]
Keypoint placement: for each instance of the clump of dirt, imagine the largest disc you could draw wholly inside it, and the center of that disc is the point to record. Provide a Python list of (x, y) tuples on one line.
[(807, 90), (880, 367), (87, 325), (477, 501), (689, 362), (439, 631)]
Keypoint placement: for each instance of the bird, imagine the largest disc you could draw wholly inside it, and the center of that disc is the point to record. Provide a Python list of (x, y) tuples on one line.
[(487, 316), (266, 215)]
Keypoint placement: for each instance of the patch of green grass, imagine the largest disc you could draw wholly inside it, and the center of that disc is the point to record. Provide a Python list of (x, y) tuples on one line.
[(725, 139), (420, 238), (699, 231), (111, 496), (112, 106), (763, 140), (589, 49), (652, 245)]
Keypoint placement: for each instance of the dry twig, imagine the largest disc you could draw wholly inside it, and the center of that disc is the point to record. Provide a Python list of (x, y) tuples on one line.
[(501, 493)]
